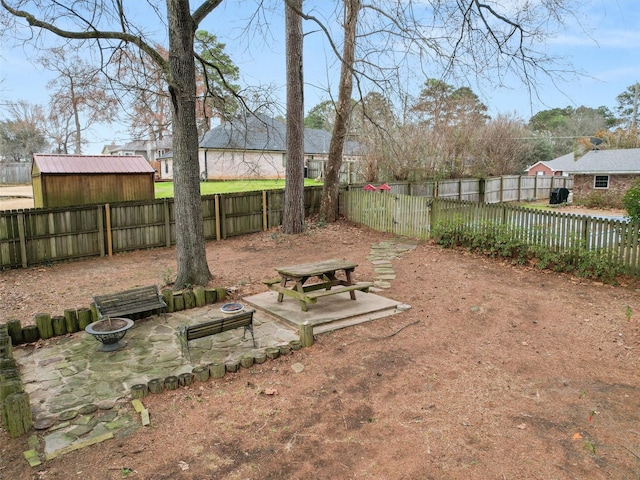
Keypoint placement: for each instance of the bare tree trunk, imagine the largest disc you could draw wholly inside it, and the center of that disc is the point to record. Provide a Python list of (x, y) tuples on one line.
[(293, 217), (76, 119), (331, 190), (634, 113), (192, 260)]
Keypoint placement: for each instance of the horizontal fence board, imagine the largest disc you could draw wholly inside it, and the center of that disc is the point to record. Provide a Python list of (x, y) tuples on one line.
[(137, 225)]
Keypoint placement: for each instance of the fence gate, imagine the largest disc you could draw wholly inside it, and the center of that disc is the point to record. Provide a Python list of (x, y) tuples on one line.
[(411, 216), (398, 214)]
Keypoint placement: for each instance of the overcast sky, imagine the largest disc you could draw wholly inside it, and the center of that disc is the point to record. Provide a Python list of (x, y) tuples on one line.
[(602, 42)]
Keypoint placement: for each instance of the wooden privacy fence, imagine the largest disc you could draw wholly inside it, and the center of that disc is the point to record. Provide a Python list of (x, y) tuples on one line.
[(15, 173), (41, 235), (616, 240), (508, 188)]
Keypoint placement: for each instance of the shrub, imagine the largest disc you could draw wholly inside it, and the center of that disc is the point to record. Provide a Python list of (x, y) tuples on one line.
[(631, 201), (499, 240), (599, 199)]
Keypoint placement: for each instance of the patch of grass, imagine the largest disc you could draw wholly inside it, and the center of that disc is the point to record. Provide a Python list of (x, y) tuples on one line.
[(165, 189), (544, 206)]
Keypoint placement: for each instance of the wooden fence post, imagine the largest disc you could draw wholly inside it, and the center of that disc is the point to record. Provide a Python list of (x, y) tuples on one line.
[(520, 188), (167, 222), (107, 216), (585, 231), (100, 217), (265, 225), (217, 208), (23, 240)]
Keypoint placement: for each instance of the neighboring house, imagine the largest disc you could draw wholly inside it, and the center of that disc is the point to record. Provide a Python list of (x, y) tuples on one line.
[(255, 147), (67, 180), (545, 168), (149, 149), (608, 172)]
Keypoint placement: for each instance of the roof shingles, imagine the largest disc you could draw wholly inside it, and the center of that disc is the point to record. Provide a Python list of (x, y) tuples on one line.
[(620, 161)]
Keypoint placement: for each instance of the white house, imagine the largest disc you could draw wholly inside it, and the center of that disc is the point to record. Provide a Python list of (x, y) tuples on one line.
[(149, 149), (254, 146)]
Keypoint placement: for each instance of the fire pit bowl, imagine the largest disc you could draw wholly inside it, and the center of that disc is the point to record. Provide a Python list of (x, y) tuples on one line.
[(110, 332), (232, 308)]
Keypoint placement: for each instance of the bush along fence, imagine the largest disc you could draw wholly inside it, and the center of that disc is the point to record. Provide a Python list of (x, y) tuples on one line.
[(591, 246)]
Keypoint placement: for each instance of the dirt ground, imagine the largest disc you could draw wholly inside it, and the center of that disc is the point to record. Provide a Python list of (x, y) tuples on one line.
[(496, 372)]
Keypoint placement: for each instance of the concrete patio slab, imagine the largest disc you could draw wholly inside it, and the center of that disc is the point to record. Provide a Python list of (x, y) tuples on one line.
[(330, 313)]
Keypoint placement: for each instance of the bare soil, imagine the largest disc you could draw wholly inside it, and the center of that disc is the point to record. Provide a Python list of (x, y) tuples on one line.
[(496, 372)]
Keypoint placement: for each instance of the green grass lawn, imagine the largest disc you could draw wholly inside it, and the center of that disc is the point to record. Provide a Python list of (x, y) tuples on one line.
[(538, 206), (165, 189)]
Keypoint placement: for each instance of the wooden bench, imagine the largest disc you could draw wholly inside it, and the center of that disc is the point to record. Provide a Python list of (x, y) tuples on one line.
[(360, 286), (213, 327), (128, 302)]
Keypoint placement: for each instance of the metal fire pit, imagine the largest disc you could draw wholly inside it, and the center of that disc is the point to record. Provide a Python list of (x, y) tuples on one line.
[(110, 332)]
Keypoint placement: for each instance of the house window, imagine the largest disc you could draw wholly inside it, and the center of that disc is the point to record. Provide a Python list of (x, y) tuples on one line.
[(601, 181)]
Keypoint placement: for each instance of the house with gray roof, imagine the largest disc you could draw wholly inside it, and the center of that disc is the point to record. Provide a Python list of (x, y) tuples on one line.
[(149, 149), (607, 173), (254, 146)]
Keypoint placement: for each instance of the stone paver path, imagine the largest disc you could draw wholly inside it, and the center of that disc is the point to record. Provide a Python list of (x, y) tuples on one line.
[(382, 255)]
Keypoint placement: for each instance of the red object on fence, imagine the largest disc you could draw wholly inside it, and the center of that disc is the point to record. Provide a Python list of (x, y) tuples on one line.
[(384, 187), (369, 188)]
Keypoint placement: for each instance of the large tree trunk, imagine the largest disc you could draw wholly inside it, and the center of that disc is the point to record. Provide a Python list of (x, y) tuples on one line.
[(192, 260), (293, 217), (331, 189)]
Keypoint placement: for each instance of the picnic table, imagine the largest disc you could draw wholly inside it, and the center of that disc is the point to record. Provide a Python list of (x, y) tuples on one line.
[(293, 281)]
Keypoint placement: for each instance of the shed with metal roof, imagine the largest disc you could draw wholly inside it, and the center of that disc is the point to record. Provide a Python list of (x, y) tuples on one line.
[(61, 180)]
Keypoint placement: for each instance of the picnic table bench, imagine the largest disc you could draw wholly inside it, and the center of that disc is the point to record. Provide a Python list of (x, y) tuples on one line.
[(128, 302), (215, 326), (292, 281)]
